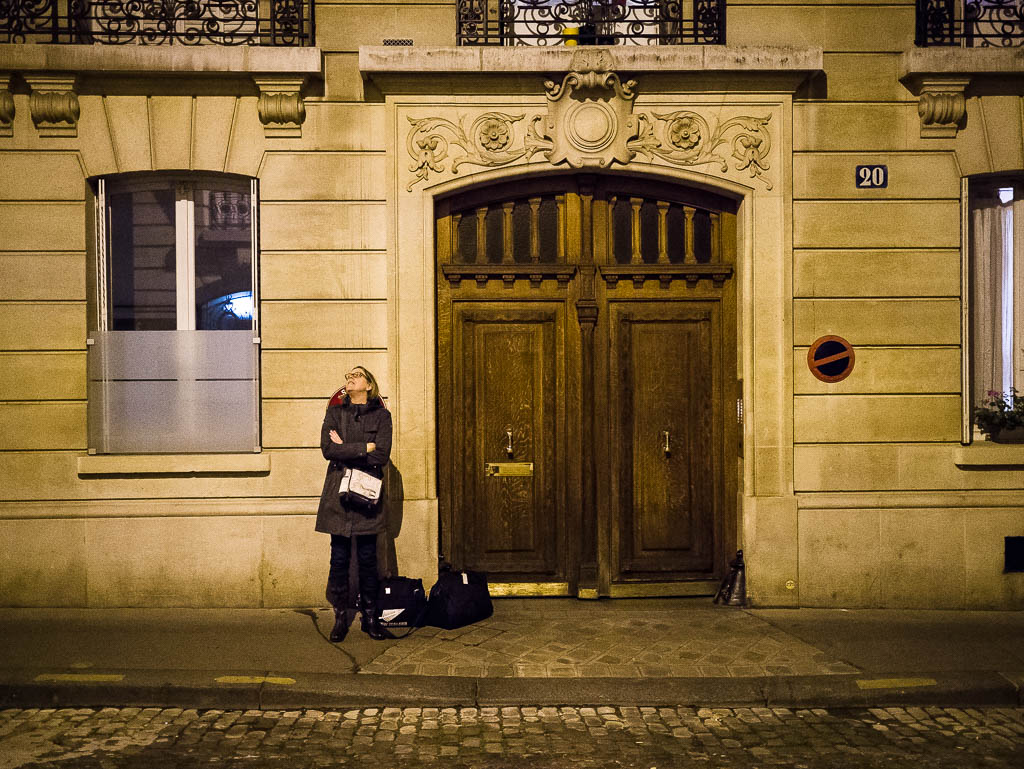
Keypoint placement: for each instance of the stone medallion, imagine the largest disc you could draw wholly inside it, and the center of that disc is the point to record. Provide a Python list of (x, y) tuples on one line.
[(590, 126)]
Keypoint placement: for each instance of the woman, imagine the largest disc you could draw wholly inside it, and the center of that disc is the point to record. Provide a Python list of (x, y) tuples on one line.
[(356, 434)]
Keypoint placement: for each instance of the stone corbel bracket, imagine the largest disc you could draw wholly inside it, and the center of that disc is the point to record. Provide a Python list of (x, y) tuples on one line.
[(54, 104), (280, 107), (6, 105), (942, 106)]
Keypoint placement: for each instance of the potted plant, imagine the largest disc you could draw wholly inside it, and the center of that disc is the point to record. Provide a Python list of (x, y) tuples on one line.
[(1001, 417)]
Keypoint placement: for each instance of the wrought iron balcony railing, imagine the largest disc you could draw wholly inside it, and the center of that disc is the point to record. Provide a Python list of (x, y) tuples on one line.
[(158, 22), (591, 22), (970, 23)]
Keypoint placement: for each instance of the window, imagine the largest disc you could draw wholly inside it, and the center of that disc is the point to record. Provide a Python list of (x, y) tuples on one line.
[(173, 356), (997, 287)]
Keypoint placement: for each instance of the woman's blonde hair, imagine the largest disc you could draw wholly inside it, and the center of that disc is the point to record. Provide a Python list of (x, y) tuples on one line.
[(374, 390)]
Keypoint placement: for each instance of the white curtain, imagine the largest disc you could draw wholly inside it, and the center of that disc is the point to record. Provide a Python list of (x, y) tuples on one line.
[(997, 294)]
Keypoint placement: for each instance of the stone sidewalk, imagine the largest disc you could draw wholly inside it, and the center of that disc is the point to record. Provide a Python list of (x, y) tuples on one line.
[(572, 640), (531, 652)]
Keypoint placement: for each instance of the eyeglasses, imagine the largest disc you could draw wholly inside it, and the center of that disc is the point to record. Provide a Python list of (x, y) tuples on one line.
[(355, 375)]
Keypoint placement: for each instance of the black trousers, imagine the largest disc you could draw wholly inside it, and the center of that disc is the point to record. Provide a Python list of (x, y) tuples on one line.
[(366, 561)]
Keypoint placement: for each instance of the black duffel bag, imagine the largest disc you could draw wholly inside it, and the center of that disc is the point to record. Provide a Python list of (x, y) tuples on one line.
[(401, 603), (457, 599)]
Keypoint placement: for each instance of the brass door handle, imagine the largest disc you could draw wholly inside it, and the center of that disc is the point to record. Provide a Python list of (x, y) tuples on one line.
[(508, 446), (666, 447)]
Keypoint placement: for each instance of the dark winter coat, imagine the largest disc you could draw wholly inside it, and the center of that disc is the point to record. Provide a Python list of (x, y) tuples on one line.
[(357, 424)]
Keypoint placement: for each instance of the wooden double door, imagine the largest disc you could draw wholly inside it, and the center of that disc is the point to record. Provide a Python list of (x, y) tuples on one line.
[(587, 432)]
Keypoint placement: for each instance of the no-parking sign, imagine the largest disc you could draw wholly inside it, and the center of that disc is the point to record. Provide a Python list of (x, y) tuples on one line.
[(830, 359)]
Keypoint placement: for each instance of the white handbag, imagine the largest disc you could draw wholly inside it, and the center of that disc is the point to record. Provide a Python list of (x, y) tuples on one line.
[(359, 487)]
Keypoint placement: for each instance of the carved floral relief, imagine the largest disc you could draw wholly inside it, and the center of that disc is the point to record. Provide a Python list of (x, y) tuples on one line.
[(685, 138), (487, 143), (589, 122)]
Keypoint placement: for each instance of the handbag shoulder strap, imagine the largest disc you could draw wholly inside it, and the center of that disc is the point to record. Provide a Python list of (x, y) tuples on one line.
[(341, 424)]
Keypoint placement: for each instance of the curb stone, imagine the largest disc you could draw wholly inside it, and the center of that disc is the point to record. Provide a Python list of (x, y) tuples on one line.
[(194, 689)]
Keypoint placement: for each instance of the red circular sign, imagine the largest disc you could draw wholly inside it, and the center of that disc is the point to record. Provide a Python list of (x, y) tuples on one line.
[(830, 359)]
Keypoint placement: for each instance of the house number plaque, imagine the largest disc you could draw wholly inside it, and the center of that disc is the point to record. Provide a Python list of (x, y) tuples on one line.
[(872, 177), (507, 469)]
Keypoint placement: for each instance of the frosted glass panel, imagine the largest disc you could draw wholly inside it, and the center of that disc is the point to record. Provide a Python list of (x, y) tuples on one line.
[(173, 392)]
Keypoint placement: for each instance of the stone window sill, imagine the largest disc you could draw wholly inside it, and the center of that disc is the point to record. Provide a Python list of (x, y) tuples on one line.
[(987, 454), (173, 464)]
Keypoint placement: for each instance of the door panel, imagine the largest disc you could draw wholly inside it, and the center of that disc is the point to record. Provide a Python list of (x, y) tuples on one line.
[(664, 502), (508, 362)]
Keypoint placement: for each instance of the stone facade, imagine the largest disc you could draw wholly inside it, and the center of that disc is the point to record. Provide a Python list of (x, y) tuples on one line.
[(867, 492)]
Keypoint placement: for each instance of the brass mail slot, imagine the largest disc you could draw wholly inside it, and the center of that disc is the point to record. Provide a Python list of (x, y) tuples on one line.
[(506, 469)]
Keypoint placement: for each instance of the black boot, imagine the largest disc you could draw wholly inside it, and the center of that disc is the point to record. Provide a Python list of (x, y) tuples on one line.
[(340, 629), (337, 597), (371, 620)]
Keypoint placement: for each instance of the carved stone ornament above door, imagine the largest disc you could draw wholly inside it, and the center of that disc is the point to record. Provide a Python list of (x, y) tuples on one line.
[(487, 143), (590, 115), (685, 138), (589, 123)]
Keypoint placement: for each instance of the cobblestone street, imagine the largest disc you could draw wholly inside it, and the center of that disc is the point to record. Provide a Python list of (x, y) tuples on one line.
[(646, 737)]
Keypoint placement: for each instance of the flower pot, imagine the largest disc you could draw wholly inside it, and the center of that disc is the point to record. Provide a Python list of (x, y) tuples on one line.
[(1013, 435)]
